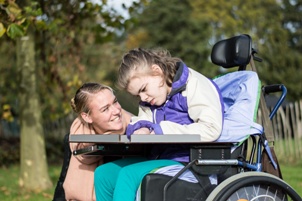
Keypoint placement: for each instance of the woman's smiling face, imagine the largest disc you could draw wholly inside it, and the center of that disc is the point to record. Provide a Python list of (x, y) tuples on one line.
[(105, 112)]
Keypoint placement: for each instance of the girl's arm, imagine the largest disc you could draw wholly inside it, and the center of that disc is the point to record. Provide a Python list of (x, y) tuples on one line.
[(205, 109)]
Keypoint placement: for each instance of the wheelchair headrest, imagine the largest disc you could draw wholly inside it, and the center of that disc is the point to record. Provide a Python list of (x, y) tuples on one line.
[(232, 52)]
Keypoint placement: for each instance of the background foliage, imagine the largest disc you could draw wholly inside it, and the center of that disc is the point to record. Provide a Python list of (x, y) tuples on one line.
[(81, 41), (77, 41)]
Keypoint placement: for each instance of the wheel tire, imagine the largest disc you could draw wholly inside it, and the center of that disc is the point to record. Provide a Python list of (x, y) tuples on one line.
[(253, 186)]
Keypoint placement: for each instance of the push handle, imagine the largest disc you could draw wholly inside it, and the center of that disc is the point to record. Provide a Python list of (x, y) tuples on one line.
[(273, 89)]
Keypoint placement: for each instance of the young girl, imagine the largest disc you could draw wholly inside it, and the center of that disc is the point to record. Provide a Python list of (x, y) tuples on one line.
[(175, 99)]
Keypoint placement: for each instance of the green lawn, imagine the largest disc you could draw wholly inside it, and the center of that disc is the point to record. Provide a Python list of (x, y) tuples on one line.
[(292, 175), (9, 190)]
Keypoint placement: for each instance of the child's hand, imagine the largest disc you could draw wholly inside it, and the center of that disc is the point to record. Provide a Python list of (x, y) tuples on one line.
[(142, 131)]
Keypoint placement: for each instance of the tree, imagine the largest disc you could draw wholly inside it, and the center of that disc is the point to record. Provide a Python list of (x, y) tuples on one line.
[(169, 24), (51, 37), (34, 172), (292, 59), (293, 22), (263, 20), (190, 28)]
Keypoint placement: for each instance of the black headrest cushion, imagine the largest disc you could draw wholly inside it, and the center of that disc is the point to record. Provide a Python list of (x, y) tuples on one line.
[(235, 51)]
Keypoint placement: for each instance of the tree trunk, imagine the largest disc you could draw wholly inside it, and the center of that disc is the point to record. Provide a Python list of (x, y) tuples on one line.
[(34, 170)]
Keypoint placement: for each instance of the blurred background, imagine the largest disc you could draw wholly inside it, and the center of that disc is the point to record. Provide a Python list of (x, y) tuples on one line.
[(50, 48)]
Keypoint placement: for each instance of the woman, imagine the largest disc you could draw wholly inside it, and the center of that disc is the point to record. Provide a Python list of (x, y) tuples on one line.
[(99, 112)]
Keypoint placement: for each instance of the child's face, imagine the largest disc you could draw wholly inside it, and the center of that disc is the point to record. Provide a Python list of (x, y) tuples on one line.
[(150, 88)]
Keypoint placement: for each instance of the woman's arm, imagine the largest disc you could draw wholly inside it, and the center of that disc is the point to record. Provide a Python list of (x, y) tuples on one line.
[(78, 127)]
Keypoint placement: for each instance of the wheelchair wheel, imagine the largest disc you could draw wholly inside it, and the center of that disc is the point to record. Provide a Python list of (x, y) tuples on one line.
[(253, 186)]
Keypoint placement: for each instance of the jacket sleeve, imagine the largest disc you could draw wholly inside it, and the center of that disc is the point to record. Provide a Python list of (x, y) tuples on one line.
[(143, 120), (205, 109), (78, 127), (144, 113)]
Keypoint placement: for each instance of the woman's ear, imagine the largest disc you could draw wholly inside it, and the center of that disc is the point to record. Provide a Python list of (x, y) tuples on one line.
[(85, 116)]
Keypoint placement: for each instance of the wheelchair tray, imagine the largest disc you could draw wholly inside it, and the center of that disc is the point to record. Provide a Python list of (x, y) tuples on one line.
[(119, 145)]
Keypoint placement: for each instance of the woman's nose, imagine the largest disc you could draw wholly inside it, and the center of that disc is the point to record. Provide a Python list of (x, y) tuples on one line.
[(116, 108)]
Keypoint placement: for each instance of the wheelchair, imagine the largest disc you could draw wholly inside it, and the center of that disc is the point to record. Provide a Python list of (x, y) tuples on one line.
[(238, 171), (239, 178)]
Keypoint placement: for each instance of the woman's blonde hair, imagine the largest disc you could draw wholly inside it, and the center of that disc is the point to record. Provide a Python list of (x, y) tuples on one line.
[(80, 102)]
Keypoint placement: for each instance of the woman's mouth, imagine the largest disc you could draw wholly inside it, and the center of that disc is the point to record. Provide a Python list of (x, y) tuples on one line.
[(117, 118)]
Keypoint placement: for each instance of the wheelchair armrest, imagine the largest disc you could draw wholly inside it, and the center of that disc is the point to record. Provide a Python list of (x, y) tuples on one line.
[(214, 151)]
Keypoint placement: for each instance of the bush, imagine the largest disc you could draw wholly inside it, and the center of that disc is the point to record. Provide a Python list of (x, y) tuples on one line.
[(10, 150)]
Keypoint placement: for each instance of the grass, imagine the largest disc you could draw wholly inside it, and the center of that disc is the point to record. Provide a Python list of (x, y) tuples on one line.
[(9, 190), (292, 175)]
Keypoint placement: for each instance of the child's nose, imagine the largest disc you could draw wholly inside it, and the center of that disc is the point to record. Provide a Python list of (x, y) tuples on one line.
[(144, 97)]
